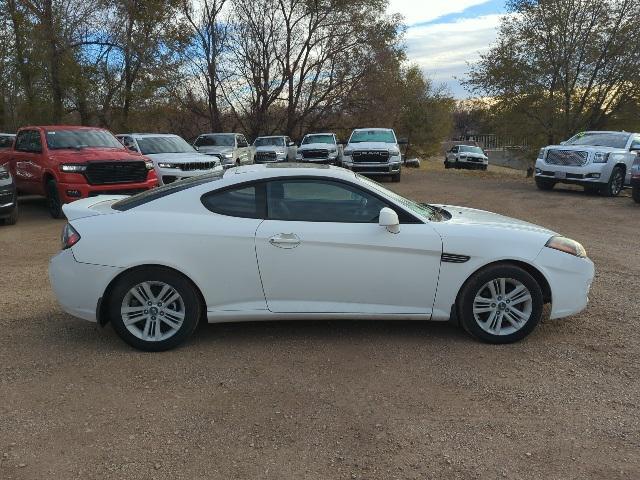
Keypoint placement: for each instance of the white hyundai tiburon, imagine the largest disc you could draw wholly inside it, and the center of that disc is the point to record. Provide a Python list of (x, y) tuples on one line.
[(306, 242)]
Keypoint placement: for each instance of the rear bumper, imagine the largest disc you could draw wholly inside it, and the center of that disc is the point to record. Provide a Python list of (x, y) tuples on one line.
[(77, 286), (569, 278)]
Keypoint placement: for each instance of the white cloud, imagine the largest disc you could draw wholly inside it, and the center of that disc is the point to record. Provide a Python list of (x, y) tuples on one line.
[(419, 11), (444, 49)]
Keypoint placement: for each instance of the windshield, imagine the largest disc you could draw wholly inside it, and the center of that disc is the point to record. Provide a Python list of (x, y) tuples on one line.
[(85, 138), (318, 139), (468, 149), (269, 141), (222, 140), (420, 208), (600, 139), (384, 136), (168, 189), (153, 145)]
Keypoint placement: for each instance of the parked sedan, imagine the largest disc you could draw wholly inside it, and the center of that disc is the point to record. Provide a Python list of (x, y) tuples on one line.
[(173, 158), (8, 197), (265, 242), (466, 156)]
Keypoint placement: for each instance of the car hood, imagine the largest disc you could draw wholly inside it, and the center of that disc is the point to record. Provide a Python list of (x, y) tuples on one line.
[(372, 146), (317, 146), (472, 216), (271, 148), (93, 154), (179, 157), (215, 149)]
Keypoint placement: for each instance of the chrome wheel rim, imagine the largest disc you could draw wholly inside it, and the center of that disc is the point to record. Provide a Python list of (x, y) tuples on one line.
[(616, 186), (153, 311), (502, 306)]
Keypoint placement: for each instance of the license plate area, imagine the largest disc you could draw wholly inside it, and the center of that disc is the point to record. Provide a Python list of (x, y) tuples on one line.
[(561, 175)]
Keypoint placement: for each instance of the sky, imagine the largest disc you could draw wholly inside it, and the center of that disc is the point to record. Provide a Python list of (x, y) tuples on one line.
[(443, 36)]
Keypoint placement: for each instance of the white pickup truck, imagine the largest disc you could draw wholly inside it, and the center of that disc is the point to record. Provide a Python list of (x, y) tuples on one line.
[(320, 148), (598, 161), (374, 151)]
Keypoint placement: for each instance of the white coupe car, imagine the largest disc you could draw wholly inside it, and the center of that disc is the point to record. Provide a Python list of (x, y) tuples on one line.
[(280, 241)]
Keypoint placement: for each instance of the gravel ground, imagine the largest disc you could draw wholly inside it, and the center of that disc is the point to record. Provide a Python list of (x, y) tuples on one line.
[(332, 400)]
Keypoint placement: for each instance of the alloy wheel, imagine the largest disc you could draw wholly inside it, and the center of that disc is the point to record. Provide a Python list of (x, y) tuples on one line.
[(502, 306), (153, 311)]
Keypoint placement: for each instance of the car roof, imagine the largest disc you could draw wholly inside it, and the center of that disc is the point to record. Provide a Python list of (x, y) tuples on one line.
[(62, 127), (319, 133), (271, 170), (606, 131), (271, 136), (221, 133), (374, 129)]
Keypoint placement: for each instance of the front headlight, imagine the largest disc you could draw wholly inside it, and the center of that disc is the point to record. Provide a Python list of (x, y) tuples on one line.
[(227, 155), (394, 153), (148, 165), (600, 157), (566, 245), (165, 165), (348, 153), (541, 154), (73, 168)]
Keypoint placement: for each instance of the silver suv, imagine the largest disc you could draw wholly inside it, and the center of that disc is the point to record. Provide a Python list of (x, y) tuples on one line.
[(231, 148), (598, 161)]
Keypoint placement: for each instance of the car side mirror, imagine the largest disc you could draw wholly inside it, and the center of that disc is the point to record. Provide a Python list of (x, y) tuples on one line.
[(403, 141), (292, 144), (389, 219), (196, 148)]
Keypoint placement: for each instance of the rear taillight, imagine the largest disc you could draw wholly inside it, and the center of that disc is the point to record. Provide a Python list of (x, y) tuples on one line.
[(69, 236)]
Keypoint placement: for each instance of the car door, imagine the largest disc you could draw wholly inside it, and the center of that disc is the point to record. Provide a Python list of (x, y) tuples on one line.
[(321, 250), (27, 161)]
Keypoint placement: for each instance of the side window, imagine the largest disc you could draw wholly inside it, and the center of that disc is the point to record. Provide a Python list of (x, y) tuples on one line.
[(454, 150), (245, 202), (29, 141), (635, 144), (318, 200), (242, 142)]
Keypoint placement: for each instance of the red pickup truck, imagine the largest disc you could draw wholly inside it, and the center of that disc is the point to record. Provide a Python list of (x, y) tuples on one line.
[(65, 163)]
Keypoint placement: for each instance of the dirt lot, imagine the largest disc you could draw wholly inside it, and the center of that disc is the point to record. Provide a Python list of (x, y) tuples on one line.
[(332, 400)]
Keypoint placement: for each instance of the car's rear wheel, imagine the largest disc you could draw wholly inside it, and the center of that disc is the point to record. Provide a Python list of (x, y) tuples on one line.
[(54, 204), (154, 308), (12, 219), (545, 183), (615, 184), (500, 304), (635, 193)]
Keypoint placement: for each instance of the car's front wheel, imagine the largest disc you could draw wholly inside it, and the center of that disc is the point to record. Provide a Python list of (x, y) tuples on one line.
[(545, 183), (500, 304), (635, 193), (615, 184), (154, 308), (54, 204)]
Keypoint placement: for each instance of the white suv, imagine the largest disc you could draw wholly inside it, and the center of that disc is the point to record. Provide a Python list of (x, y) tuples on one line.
[(598, 161), (373, 151)]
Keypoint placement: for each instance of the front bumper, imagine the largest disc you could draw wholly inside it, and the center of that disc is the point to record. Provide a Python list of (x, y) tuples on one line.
[(70, 191), (78, 286), (473, 161), (389, 168), (589, 173), (170, 175), (570, 280)]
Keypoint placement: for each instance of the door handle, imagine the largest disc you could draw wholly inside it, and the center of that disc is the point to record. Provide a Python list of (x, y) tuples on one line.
[(285, 240)]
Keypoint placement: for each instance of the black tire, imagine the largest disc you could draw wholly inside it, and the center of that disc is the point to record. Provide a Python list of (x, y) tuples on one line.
[(476, 284), (615, 184), (237, 162), (12, 219), (54, 204), (396, 177), (447, 165), (545, 184), (635, 194), (192, 306)]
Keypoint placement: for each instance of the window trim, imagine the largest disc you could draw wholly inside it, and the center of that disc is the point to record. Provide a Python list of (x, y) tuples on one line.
[(406, 217)]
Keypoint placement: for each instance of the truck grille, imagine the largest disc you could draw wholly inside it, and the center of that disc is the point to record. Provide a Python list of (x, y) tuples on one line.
[(315, 153), (191, 166), (109, 173), (265, 157), (370, 156), (567, 158)]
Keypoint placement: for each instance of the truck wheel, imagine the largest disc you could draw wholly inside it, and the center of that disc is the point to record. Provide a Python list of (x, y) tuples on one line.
[(53, 200), (446, 164), (13, 218), (396, 177), (545, 183), (635, 193), (614, 186)]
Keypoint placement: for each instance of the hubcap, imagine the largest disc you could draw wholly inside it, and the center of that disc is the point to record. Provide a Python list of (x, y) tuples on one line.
[(617, 183), (153, 311), (502, 306)]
